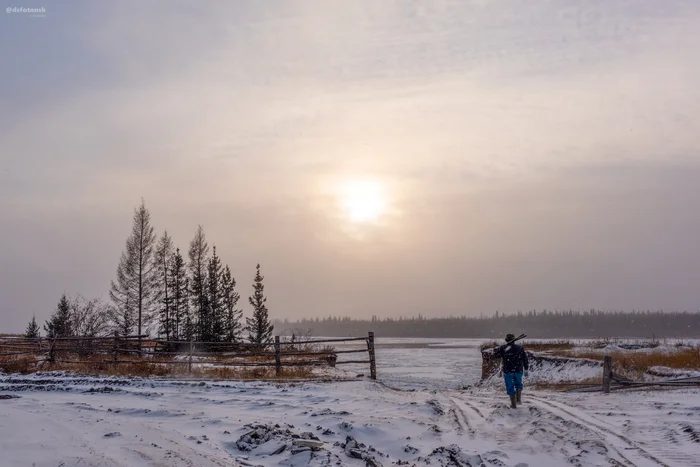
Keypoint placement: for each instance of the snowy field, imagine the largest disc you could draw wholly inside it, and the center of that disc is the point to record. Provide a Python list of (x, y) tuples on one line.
[(428, 363), (67, 421), (55, 419)]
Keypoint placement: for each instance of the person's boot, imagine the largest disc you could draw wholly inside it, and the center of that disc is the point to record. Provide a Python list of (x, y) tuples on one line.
[(512, 402), (518, 398)]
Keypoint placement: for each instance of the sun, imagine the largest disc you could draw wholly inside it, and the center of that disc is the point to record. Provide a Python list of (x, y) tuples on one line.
[(363, 200)]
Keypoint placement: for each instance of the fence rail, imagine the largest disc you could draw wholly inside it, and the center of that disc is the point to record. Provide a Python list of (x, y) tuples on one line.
[(614, 382), (611, 381), (65, 349)]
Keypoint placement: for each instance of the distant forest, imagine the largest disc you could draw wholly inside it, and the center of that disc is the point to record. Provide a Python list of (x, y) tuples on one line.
[(536, 324)]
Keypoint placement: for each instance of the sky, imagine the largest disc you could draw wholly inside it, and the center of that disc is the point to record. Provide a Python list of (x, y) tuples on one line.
[(376, 158)]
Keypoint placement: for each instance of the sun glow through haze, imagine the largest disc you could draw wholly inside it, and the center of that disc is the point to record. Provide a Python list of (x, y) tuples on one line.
[(363, 200)]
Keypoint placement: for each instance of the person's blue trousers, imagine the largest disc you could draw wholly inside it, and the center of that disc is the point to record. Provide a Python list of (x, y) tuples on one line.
[(513, 381)]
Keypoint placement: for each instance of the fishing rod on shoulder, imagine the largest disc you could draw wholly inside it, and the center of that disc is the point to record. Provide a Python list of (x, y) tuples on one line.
[(515, 339)]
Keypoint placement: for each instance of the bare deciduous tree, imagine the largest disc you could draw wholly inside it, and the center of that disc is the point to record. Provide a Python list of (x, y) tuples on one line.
[(133, 294), (89, 317)]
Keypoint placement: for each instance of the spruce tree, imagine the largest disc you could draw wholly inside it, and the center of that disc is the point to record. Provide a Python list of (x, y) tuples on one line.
[(259, 327), (59, 324), (163, 258), (134, 292), (233, 316), (216, 326), (189, 326), (122, 313), (199, 249), (180, 291), (33, 330)]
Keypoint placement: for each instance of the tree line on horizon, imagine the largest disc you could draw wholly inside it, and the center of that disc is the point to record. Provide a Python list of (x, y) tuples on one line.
[(543, 324), (157, 291)]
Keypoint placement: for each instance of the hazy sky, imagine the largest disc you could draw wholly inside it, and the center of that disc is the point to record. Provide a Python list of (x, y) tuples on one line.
[(503, 155)]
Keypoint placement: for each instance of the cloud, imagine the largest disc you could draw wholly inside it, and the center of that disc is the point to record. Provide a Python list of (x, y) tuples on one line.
[(531, 137)]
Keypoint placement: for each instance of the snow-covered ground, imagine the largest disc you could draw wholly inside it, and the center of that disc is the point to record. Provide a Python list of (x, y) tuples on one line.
[(60, 420), (417, 414)]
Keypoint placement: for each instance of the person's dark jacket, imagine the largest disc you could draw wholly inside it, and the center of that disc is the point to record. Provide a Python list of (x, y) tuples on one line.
[(514, 358)]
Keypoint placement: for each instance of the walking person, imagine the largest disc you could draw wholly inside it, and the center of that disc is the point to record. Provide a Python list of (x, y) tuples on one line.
[(515, 363)]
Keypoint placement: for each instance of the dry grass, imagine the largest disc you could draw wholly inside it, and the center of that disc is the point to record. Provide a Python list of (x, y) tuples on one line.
[(639, 362), (651, 343), (19, 364), (489, 345), (148, 369), (535, 346), (95, 357), (548, 346), (101, 365)]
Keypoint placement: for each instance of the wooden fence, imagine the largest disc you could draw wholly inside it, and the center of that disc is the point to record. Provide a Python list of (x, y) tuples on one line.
[(612, 381), (118, 350)]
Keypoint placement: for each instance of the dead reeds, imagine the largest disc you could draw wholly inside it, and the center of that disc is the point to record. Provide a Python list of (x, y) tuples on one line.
[(535, 346), (632, 362)]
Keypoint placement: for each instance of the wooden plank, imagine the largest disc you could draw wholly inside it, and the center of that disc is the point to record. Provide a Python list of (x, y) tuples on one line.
[(310, 354), (17, 353), (323, 341), (102, 338), (364, 362)]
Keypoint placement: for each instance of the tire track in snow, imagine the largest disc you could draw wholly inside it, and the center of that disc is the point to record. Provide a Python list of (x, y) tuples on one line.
[(624, 443), (488, 404), (461, 417), (455, 418), (667, 452), (471, 406)]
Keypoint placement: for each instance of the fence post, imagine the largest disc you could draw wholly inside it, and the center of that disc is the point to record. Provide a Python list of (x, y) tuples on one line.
[(372, 361), (189, 364), (52, 356), (278, 361), (116, 348), (607, 373)]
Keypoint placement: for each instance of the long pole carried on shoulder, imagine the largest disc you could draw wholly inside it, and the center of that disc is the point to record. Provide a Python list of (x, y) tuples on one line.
[(521, 336)]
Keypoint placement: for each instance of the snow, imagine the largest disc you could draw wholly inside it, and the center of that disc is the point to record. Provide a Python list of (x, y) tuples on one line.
[(631, 347), (666, 372), (61, 419), (413, 363), (546, 372)]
